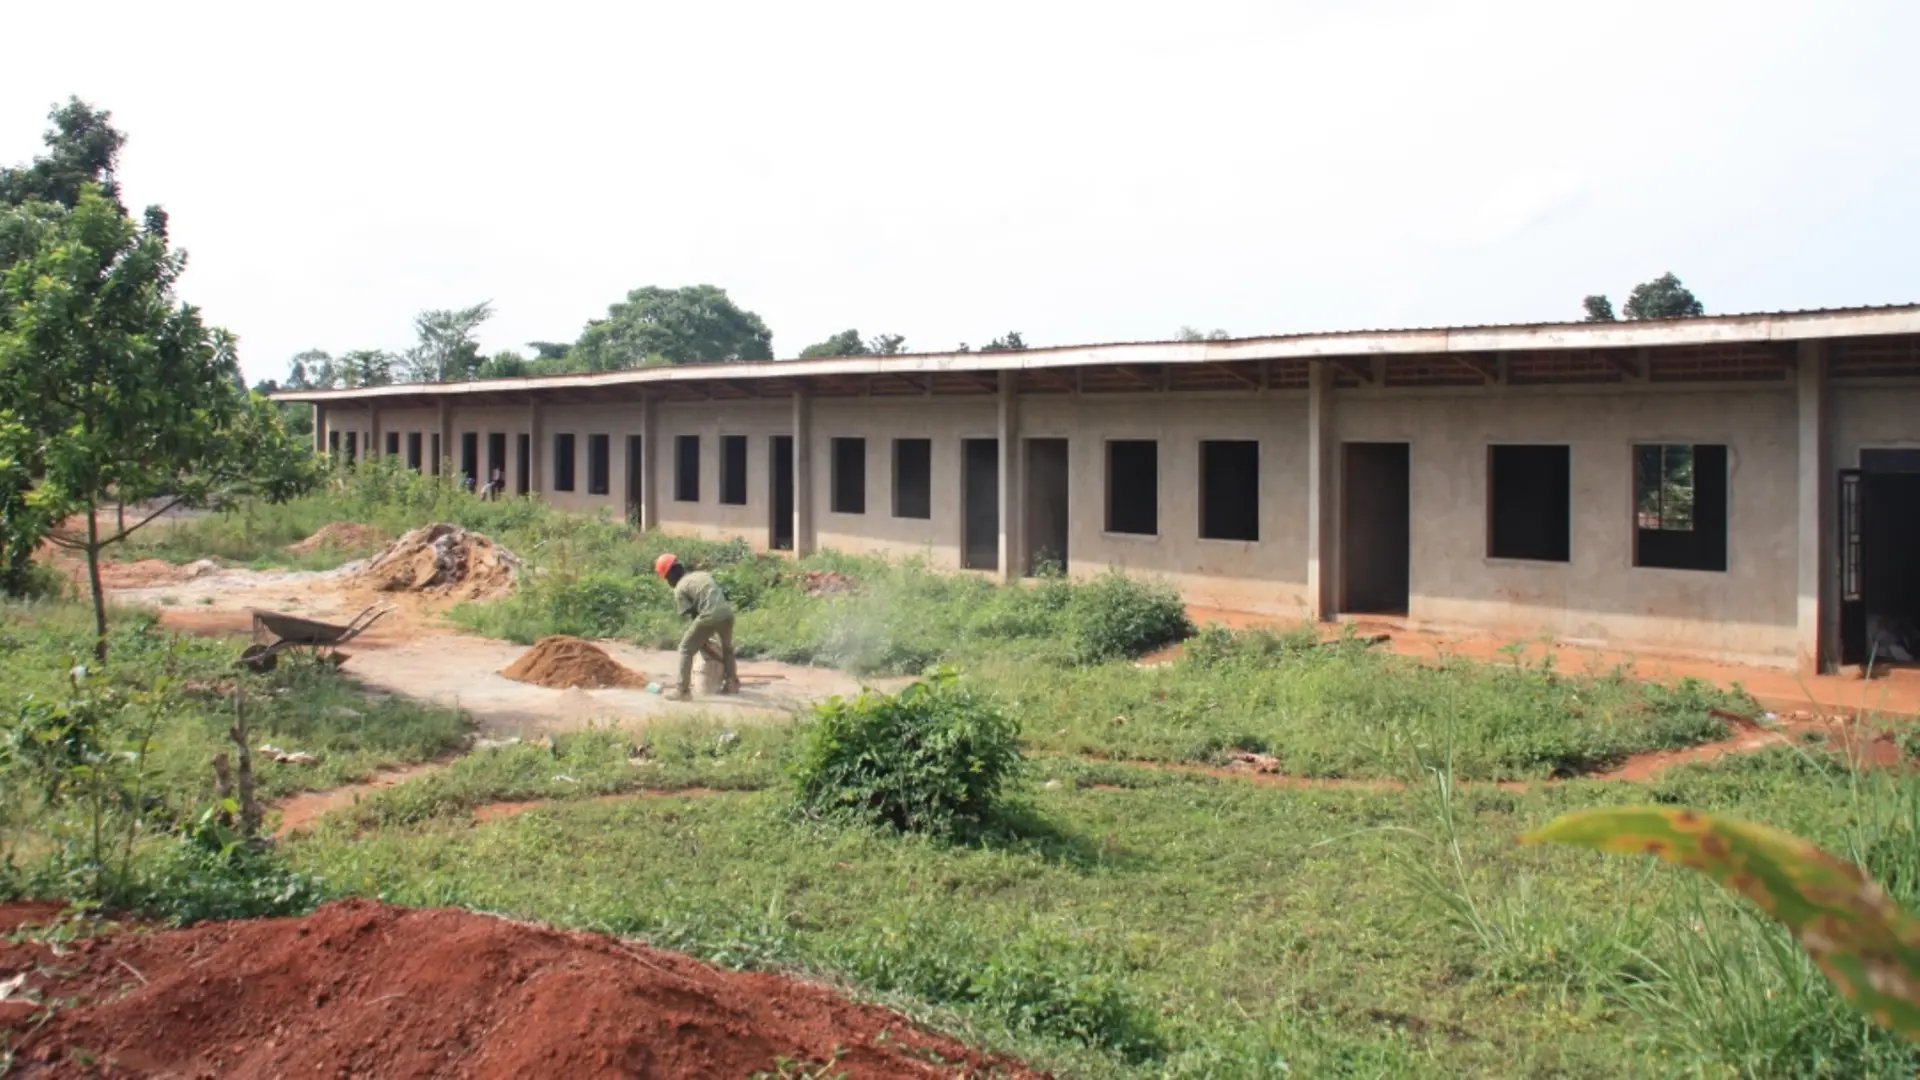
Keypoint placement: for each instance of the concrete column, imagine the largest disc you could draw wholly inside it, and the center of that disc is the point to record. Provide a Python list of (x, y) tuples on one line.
[(1012, 501), (448, 452), (319, 428), (536, 447), (803, 538), (378, 438), (649, 462), (1323, 531), (1817, 626)]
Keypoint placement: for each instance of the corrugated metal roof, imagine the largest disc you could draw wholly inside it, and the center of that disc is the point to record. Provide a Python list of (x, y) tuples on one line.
[(1773, 326)]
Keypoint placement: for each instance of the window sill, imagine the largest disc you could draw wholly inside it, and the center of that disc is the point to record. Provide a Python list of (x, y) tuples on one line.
[(1516, 561), (1132, 538), (1229, 540)]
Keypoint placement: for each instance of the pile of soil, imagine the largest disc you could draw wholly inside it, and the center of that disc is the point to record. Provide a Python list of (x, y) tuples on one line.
[(828, 583), (361, 989), (145, 573), (563, 663), (442, 560), (339, 535)]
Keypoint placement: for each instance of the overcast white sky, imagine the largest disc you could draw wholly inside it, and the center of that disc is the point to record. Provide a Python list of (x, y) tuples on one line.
[(1075, 171)]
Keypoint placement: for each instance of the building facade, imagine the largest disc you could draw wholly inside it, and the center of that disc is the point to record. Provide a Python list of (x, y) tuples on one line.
[(1740, 487)]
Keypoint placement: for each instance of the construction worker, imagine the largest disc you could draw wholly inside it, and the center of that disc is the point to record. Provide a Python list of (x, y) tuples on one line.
[(699, 598)]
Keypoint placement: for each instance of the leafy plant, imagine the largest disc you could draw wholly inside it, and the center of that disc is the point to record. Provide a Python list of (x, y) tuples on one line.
[(934, 758), (1864, 942)]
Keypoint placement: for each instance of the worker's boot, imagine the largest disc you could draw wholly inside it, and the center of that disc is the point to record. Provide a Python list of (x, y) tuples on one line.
[(731, 686), (681, 694)]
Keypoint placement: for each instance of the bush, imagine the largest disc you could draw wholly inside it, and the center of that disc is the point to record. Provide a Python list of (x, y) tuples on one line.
[(932, 759), (1115, 616)]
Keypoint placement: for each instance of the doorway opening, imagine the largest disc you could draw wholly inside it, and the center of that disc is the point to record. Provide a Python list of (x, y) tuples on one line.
[(980, 504), (496, 458), (1046, 506), (1879, 575), (523, 460), (1376, 533), (780, 495), (636, 475), (469, 457)]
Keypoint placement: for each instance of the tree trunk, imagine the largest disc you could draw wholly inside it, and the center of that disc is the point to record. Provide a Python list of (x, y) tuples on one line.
[(93, 579)]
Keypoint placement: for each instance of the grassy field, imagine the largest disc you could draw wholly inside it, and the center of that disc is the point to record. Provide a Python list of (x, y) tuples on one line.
[(1121, 920)]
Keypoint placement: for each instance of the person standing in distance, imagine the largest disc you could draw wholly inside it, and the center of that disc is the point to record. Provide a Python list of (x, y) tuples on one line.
[(700, 598)]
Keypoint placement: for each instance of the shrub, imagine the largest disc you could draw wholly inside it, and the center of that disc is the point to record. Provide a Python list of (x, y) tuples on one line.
[(932, 759), (1115, 616)]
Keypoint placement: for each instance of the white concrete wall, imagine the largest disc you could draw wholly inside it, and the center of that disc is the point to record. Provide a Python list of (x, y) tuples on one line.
[(1883, 415), (1267, 576), (1748, 611)]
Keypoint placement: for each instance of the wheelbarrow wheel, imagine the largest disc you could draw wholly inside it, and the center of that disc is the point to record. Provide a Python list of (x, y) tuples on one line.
[(259, 658)]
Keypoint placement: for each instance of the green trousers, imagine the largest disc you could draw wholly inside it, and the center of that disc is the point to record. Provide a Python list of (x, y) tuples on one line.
[(707, 628)]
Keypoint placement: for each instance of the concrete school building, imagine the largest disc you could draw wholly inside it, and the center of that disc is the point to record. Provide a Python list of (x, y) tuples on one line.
[(1738, 487)]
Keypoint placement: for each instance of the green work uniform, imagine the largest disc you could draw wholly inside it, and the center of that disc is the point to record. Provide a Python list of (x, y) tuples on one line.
[(699, 597)]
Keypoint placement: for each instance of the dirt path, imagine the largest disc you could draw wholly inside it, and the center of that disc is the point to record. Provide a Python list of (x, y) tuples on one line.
[(414, 653), (1895, 694), (362, 989)]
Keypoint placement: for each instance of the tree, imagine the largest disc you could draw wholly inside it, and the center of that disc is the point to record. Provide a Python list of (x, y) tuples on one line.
[(82, 148), (1663, 298), (698, 324), (367, 367), (844, 343), (550, 350), (1599, 309), (1192, 333), (110, 390), (447, 350), (1010, 343), (506, 364), (887, 344)]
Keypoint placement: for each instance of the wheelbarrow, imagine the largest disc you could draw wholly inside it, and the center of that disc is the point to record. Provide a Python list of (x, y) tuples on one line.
[(275, 633)]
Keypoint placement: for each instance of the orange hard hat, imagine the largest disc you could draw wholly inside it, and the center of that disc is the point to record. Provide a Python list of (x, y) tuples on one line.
[(663, 564)]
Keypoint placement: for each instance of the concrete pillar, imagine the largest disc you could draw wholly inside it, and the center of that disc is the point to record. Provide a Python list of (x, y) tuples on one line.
[(649, 462), (803, 538), (1012, 501), (1817, 626), (319, 428), (1323, 530), (447, 450), (377, 437), (536, 447)]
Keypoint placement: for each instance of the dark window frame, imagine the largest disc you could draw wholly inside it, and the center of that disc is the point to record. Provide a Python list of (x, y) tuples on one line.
[(599, 464), (565, 450), (413, 450), (1126, 513), (686, 468), (1538, 526), (847, 474), (733, 470), (1680, 506), (1239, 522), (913, 501)]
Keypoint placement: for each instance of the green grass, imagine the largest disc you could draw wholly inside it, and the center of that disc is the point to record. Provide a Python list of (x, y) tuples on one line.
[(1186, 926)]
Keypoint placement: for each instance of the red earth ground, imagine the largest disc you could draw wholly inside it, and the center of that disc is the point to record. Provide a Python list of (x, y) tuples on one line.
[(359, 989)]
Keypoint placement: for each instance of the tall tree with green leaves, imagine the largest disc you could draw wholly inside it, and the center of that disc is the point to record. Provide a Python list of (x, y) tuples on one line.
[(1662, 298), (887, 344), (446, 350), (1598, 309), (1012, 342), (83, 148), (844, 343), (113, 391), (698, 324)]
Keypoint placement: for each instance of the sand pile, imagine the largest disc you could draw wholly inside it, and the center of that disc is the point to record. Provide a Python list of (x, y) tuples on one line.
[(361, 989), (339, 535), (564, 663), (829, 583), (443, 560)]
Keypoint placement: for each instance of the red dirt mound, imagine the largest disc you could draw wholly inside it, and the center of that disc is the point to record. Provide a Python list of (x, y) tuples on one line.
[(563, 663), (361, 989), (442, 560), (339, 534)]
